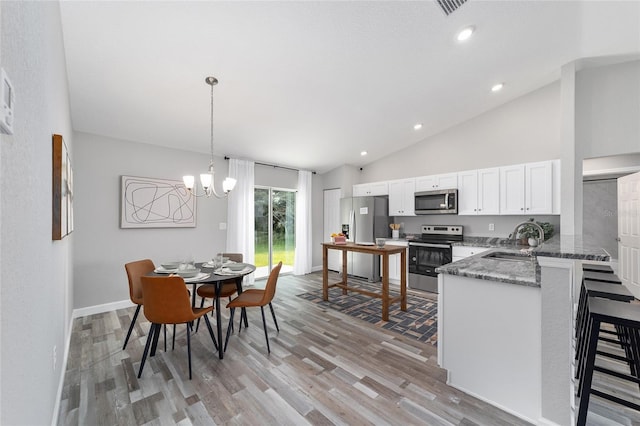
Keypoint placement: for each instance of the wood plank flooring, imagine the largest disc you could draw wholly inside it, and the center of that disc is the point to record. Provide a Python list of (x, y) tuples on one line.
[(324, 368)]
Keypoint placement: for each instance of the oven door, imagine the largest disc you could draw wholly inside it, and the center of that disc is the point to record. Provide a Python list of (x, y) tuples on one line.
[(424, 258)]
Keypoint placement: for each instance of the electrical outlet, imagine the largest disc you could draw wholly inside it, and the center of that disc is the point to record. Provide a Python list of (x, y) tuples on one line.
[(55, 357), (492, 227)]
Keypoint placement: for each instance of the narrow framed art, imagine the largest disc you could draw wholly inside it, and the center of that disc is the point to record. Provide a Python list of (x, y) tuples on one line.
[(156, 203), (61, 189)]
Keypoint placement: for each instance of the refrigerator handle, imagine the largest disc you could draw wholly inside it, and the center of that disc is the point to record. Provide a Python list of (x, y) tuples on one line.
[(352, 225)]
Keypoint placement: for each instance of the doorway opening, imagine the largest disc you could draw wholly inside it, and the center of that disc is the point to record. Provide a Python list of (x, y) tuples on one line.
[(275, 238)]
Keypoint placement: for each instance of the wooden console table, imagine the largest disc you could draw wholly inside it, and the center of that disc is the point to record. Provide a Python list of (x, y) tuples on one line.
[(384, 252)]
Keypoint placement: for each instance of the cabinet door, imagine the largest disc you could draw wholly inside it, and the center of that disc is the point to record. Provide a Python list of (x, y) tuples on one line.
[(539, 188), (448, 181), (512, 189), (360, 190), (401, 197), (378, 188), (396, 198), (468, 193), (426, 183), (489, 191)]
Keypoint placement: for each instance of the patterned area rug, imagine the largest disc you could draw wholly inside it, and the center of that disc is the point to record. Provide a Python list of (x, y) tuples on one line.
[(419, 321)]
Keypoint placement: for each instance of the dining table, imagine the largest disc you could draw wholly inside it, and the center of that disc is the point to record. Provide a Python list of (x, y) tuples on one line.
[(215, 276)]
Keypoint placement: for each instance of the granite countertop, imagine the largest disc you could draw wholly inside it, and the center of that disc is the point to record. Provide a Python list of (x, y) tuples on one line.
[(523, 272)]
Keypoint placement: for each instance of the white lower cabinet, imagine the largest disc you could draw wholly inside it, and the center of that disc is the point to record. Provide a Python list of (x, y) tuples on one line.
[(394, 262), (460, 252)]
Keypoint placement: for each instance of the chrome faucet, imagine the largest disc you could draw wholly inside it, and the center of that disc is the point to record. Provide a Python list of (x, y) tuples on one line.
[(514, 235)]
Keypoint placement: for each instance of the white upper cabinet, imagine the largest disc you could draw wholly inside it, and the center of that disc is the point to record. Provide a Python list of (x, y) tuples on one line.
[(435, 182), (468, 192), (478, 192), (401, 197), (527, 188), (368, 189)]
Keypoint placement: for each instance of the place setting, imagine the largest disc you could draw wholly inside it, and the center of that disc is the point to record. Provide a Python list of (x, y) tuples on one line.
[(222, 265)]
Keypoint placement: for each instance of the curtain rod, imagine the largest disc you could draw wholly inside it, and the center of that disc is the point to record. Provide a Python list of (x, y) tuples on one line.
[(272, 165)]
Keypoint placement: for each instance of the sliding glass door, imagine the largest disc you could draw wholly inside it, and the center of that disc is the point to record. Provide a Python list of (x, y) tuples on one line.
[(275, 238)]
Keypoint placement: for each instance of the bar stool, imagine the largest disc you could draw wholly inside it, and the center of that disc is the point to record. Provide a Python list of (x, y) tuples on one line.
[(601, 276), (602, 290), (597, 268), (623, 315)]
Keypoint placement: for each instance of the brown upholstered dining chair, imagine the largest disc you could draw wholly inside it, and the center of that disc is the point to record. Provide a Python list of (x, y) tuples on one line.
[(256, 297), (136, 270), (227, 288), (167, 302)]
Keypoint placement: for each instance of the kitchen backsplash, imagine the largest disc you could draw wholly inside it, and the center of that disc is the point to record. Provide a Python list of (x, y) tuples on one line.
[(476, 226)]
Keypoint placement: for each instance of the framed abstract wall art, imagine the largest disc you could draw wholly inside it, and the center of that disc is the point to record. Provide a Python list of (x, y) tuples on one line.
[(156, 203)]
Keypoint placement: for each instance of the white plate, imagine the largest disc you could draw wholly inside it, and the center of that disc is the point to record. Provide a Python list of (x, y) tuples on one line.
[(161, 270), (365, 244), (227, 271), (199, 277)]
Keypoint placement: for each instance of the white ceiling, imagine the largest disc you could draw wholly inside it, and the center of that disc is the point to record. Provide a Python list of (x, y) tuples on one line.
[(311, 84)]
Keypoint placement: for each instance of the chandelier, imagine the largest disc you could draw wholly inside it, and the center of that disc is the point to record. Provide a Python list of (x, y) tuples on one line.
[(207, 179)]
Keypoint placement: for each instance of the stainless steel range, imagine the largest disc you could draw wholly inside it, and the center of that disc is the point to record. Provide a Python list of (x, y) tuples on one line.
[(431, 250)]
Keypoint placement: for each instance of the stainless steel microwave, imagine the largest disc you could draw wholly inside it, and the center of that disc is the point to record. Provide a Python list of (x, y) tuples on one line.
[(437, 202)]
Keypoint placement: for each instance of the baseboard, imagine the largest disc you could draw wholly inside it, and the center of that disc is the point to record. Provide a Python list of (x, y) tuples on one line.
[(98, 309), (316, 268)]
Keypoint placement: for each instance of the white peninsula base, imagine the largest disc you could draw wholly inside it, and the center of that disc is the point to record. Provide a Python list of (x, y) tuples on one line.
[(490, 341)]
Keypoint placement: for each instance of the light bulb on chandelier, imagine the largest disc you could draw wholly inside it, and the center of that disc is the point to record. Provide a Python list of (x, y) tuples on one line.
[(207, 179)]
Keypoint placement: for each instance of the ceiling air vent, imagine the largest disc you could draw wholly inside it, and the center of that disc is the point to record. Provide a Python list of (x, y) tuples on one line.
[(450, 6)]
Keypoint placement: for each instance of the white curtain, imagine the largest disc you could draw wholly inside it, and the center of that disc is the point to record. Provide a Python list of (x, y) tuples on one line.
[(302, 260), (240, 214)]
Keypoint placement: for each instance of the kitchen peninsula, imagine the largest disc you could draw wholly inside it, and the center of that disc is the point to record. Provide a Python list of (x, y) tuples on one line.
[(505, 319)]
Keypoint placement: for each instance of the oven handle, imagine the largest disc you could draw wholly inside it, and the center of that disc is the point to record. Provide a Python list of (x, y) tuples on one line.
[(430, 245)]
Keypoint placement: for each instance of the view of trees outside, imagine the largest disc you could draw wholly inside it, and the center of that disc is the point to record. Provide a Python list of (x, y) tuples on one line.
[(283, 208)]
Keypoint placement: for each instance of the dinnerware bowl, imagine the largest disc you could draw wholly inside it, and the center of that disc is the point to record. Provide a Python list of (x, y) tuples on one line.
[(170, 265), (380, 242), (188, 273), (235, 266)]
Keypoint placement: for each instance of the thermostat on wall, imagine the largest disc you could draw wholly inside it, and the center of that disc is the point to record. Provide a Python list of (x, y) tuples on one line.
[(7, 100)]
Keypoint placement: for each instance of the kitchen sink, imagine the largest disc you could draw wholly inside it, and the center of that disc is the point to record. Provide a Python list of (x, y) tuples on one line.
[(513, 257)]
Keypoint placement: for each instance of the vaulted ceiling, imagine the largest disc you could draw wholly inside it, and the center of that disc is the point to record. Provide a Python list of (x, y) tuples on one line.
[(312, 84)]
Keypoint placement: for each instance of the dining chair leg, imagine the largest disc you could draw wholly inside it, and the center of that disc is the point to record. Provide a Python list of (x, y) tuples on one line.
[(165, 337), (273, 314), (228, 329), (146, 348), (264, 325), (133, 322), (173, 339), (213, 337), (154, 344), (231, 323), (189, 349), (202, 306)]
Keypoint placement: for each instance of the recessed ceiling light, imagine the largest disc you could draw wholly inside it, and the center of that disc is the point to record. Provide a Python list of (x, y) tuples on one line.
[(418, 126), (363, 153), (497, 87), (465, 33)]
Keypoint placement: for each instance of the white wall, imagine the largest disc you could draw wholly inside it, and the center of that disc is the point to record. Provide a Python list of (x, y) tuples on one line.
[(524, 130), (35, 271), (101, 246), (608, 109)]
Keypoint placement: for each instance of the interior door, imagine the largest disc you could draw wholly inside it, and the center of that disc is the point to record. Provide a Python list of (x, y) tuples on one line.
[(629, 231), (331, 224)]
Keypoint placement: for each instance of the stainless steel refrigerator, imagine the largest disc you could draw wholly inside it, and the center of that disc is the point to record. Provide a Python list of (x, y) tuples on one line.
[(363, 220)]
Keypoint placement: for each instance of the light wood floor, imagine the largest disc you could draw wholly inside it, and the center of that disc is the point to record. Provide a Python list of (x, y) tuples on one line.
[(324, 368)]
